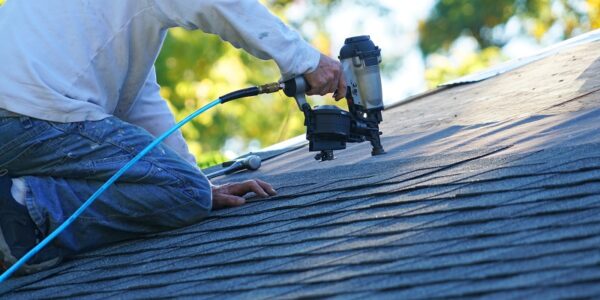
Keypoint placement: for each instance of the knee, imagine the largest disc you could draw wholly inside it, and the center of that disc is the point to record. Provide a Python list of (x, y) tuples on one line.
[(197, 200), (189, 193)]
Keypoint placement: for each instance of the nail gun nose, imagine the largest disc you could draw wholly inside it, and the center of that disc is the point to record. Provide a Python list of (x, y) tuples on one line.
[(251, 162)]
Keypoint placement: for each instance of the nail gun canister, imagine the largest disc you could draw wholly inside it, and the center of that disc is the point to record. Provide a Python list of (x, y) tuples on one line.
[(360, 62)]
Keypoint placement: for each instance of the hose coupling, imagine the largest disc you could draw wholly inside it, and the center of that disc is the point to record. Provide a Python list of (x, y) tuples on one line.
[(270, 88)]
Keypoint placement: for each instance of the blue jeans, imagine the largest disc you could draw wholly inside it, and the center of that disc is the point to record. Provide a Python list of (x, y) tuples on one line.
[(63, 164)]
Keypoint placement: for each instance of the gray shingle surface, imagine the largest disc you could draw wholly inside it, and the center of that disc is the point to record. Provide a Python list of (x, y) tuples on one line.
[(484, 208)]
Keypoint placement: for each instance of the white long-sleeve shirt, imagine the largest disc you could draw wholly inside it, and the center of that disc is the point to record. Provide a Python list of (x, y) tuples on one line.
[(81, 60)]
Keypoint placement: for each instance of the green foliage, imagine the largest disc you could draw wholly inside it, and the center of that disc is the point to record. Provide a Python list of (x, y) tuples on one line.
[(211, 159), (445, 70), (594, 13), (485, 21), (450, 19)]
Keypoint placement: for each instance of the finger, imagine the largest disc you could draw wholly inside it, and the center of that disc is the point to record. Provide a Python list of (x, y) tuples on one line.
[(258, 189), (332, 84), (238, 188), (250, 186), (337, 76), (324, 90), (328, 87), (267, 187), (224, 200), (341, 88), (319, 86), (316, 88)]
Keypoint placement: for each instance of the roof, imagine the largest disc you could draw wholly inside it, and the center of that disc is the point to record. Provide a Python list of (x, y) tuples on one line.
[(488, 189)]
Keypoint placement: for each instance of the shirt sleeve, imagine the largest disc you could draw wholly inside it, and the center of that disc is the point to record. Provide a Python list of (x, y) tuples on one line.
[(151, 112), (245, 24)]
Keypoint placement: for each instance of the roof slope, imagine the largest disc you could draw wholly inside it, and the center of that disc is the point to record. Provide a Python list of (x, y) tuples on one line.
[(489, 189)]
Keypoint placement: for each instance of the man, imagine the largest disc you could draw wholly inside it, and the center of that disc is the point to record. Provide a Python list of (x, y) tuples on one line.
[(79, 98)]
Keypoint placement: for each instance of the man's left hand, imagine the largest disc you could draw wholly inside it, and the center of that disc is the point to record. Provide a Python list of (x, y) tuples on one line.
[(231, 194)]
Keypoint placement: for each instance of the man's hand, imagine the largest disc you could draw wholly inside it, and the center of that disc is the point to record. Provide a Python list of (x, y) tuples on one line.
[(230, 194), (327, 78)]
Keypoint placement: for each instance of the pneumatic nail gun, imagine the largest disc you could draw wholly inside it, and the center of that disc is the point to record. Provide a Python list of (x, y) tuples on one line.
[(329, 127)]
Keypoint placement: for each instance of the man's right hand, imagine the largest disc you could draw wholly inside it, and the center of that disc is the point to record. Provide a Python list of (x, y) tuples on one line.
[(327, 78)]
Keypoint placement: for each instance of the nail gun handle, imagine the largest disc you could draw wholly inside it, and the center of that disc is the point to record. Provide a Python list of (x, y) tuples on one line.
[(295, 86)]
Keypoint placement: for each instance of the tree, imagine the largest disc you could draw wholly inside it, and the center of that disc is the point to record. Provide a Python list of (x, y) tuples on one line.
[(487, 22)]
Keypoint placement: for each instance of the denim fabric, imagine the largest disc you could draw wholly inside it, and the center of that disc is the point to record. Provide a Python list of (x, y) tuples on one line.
[(65, 163)]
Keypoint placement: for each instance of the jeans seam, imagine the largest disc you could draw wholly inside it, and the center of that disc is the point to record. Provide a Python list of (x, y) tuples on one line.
[(131, 151), (34, 210), (172, 208), (125, 149)]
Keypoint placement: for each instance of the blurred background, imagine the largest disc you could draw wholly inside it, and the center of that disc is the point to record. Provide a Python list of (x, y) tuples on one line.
[(424, 43)]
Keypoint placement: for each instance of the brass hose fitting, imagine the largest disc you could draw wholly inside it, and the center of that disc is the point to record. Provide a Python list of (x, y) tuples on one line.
[(270, 88)]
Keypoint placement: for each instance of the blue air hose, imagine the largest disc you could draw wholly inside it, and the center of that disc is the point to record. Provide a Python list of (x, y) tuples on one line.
[(252, 91)]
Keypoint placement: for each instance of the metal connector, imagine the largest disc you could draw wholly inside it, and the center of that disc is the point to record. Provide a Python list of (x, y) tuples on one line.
[(270, 88)]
